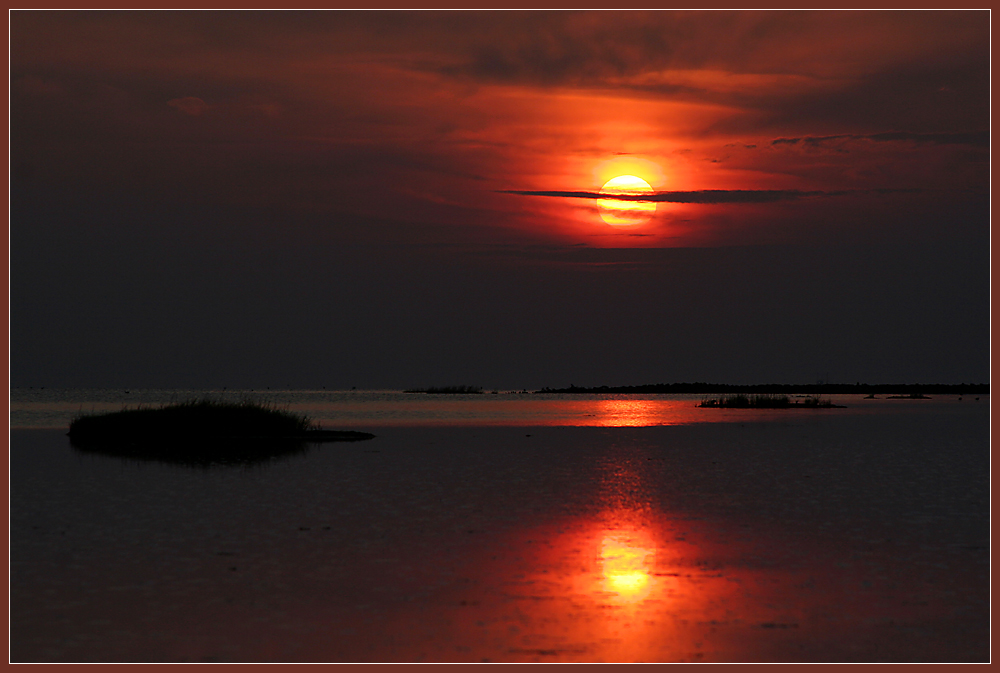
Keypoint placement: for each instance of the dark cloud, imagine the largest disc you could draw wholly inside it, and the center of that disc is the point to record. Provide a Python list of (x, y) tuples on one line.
[(592, 47), (189, 105), (976, 139), (927, 72), (713, 195), (907, 95), (576, 48)]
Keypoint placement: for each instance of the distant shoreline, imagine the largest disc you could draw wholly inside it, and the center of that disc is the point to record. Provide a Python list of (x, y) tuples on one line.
[(699, 388)]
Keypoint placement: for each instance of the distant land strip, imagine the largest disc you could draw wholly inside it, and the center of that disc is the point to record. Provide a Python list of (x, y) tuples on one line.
[(699, 388)]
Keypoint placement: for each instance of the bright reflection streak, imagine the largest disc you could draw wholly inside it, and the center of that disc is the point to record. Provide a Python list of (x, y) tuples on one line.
[(625, 566), (629, 413)]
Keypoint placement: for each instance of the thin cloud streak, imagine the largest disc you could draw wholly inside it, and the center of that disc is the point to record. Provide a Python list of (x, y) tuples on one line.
[(976, 139), (712, 195)]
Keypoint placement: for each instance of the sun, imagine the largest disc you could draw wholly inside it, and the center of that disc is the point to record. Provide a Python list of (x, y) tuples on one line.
[(626, 213)]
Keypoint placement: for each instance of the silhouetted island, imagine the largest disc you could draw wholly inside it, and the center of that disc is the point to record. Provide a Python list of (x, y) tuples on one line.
[(767, 402), (701, 388), (202, 431)]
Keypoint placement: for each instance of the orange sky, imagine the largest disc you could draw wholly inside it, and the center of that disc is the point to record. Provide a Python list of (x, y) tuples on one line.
[(434, 113), (339, 129)]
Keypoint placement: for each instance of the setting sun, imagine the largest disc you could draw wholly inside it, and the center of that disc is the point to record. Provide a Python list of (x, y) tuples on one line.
[(626, 213)]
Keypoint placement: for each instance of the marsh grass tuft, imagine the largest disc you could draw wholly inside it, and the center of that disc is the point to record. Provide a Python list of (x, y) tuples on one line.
[(202, 418)]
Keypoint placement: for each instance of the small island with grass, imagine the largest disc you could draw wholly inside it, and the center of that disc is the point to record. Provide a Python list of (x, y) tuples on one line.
[(202, 431), (767, 402)]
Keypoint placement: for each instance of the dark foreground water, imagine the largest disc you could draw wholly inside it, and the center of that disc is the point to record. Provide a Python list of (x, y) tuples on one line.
[(803, 537)]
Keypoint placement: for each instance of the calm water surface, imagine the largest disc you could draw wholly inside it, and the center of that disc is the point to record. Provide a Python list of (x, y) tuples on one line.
[(603, 529)]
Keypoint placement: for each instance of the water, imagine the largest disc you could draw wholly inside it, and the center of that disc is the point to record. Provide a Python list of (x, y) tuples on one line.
[(514, 528)]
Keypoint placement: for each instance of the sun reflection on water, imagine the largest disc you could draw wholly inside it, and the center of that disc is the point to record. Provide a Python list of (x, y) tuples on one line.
[(625, 566), (630, 413)]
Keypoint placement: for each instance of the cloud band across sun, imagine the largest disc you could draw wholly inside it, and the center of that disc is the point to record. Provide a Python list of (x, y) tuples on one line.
[(711, 195)]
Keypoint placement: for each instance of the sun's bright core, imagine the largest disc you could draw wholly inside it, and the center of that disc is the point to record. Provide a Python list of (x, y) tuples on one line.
[(626, 213)]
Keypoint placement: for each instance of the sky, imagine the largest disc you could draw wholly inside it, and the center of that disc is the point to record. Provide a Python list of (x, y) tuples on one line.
[(392, 199)]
